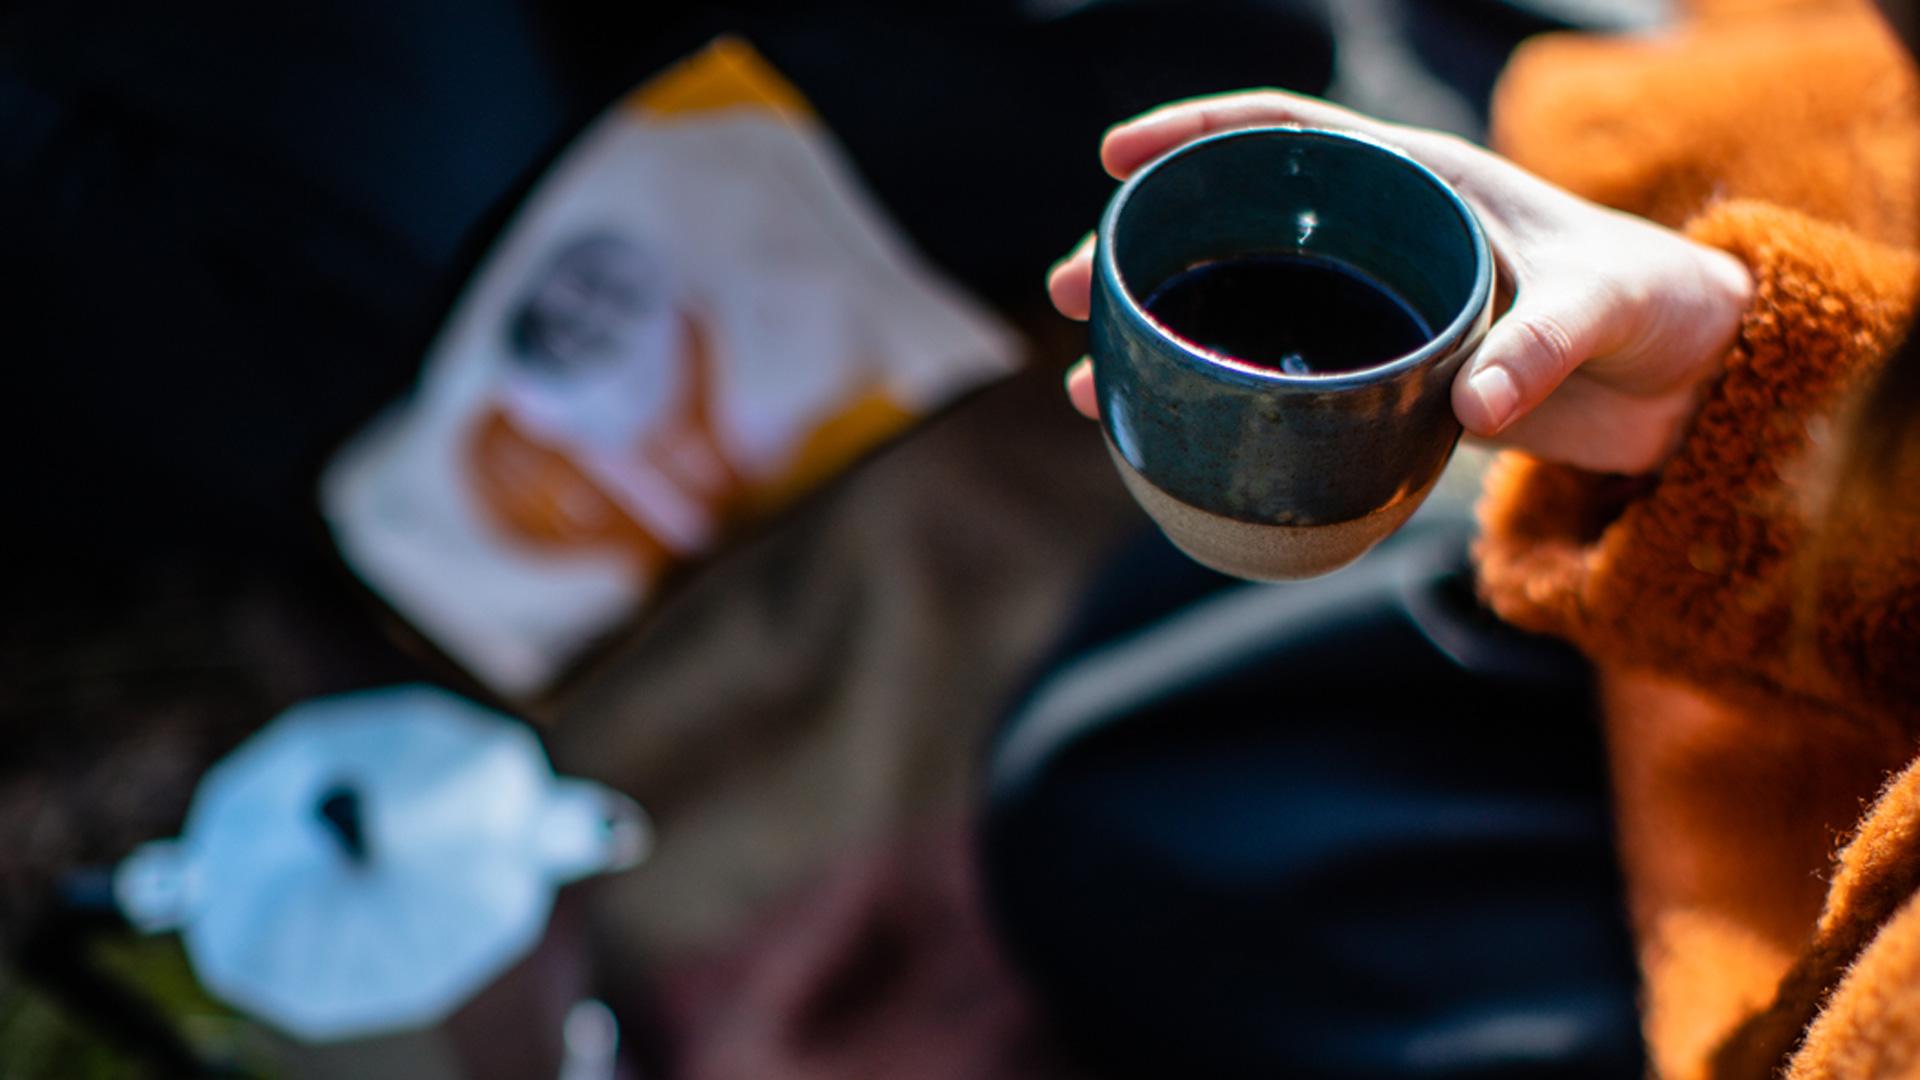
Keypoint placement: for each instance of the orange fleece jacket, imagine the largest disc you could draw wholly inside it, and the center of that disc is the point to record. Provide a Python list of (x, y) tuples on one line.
[(1758, 646)]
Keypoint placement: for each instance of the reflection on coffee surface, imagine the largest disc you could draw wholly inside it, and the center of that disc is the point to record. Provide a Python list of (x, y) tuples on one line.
[(1295, 314)]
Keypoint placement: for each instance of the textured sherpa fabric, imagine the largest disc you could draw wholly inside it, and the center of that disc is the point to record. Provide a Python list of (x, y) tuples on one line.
[(1758, 640)]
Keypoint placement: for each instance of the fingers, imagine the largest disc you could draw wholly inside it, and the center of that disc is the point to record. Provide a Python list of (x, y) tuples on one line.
[(1592, 426), (1070, 282), (1080, 389), (1527, 353), (1140, 140)]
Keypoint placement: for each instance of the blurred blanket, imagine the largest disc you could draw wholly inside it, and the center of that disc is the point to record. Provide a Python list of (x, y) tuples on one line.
[(834, 681), (884, 968)]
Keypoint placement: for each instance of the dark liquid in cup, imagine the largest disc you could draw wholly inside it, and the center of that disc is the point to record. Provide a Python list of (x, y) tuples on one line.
[(1289, 313)]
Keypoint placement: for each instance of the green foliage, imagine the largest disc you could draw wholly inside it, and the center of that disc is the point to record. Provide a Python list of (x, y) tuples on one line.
[(40, 1041)]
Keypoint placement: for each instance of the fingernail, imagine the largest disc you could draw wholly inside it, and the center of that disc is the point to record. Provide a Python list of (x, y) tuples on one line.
[(1494, 389)]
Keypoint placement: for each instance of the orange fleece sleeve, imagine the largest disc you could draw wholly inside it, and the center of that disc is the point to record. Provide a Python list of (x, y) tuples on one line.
[(1694, 572), (1808, 107)]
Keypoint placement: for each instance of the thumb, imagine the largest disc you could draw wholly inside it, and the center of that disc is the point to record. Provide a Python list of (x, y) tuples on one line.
[(1525, 356)]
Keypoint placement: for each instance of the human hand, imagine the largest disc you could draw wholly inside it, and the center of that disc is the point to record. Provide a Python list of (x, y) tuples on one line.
[(1615, 321)]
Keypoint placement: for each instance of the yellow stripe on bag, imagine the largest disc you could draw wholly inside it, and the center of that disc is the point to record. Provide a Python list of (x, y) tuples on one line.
[(727, 74), (833, 447)]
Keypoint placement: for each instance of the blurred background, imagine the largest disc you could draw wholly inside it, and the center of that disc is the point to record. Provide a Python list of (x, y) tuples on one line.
[(239, 238)]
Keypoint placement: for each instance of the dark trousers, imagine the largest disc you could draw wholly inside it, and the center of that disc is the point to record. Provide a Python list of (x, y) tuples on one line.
[(1345, 827)]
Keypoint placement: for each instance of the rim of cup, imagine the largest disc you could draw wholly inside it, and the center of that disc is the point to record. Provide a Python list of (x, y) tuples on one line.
[(1440, 344)]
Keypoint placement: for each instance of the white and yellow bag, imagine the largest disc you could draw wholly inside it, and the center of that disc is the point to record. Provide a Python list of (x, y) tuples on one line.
[(696, 316)]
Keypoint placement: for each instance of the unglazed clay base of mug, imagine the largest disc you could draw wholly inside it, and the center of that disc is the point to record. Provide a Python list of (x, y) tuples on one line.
[(1244, 549)]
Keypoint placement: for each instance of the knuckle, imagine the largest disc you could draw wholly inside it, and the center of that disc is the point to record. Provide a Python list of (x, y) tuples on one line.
[(1625, 288), (1450, 146), (1545, 345)]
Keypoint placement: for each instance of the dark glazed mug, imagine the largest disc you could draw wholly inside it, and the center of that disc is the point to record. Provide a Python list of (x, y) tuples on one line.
[(1253, 472)]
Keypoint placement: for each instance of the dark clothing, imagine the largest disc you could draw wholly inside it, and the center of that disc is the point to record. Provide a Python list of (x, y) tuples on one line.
[(231, 230), (1345, 827)]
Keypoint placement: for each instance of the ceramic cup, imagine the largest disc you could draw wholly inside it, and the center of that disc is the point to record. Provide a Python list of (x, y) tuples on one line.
[(1256, 473)]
